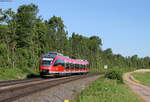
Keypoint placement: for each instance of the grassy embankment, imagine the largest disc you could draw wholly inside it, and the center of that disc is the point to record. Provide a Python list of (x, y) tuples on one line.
[(106, 90), (109, 89), (144, 78), (16, 73)]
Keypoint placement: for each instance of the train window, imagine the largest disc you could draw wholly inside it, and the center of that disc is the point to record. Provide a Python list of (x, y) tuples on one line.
[(88, 66), (72, 65), (84, 66), (46, 63), (77, 66), (80, 66), (59, 62), (67, 65)]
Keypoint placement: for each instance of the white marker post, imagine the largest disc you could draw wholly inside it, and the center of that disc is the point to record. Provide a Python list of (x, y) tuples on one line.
[(105, 66)]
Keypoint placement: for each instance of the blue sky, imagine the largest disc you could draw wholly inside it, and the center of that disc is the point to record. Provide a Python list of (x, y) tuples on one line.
[(123, 25)]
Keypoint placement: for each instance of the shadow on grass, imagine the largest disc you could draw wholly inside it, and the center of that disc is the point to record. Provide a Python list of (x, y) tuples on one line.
[(41, 76), (32, 75)]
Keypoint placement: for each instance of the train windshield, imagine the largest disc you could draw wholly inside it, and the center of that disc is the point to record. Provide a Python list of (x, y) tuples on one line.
[(46, 62)]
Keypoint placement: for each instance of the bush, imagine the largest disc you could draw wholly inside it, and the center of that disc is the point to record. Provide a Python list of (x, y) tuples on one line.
[(115, 75)]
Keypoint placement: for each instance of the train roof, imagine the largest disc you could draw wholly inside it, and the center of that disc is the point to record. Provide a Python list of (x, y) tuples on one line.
[(78, 61), (54, 54), (81, 59)]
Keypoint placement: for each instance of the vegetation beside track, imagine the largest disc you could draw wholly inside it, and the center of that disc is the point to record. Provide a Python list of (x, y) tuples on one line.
[(107, 90), (15, 73), (144, 78)]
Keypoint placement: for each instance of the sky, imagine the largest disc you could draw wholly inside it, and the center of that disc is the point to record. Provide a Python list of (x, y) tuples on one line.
[(123, 25)]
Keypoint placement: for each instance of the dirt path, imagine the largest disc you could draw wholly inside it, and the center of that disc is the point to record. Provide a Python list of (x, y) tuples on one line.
[(140, 89)]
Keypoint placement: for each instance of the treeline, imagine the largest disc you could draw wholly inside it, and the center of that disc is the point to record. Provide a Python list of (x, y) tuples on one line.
[(24, 36)]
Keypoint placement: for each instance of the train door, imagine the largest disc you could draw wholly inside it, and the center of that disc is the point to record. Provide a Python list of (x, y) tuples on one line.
[(59, 65)]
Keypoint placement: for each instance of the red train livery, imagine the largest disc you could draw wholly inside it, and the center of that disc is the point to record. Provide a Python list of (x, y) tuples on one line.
[(56, 63)]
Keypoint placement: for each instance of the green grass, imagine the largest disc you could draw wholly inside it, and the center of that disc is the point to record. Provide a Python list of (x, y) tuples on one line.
[(106, 90), (142, 77), (16, 73)]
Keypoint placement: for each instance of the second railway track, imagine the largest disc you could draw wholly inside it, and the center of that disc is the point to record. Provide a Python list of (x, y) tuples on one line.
[(12, 92)]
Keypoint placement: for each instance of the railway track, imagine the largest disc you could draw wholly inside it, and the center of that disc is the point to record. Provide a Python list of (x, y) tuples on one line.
[(14, 82), (10, 91)]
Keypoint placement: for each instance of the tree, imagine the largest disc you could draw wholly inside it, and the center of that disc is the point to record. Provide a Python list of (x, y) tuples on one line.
[(57, 33), (25, 18)]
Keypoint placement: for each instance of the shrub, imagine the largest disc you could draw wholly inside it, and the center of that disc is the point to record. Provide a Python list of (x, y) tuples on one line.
[(115, 75)]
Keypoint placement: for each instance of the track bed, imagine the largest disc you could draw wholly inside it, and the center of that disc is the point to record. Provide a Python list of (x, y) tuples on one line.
[(12, 92)]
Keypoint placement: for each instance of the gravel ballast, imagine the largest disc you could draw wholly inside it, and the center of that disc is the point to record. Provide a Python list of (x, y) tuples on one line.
[(61, 92)]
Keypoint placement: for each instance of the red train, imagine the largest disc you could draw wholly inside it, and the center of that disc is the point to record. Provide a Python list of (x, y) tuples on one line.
[(56, 64)]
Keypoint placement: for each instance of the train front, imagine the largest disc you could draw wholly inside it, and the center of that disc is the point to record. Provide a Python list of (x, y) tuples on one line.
[(46, 63)]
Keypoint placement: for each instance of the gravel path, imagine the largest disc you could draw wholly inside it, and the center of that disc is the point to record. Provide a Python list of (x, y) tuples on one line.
[(140, 89), (60, 93)]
